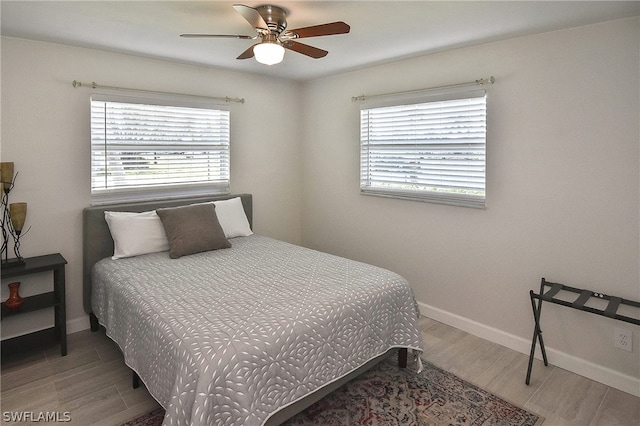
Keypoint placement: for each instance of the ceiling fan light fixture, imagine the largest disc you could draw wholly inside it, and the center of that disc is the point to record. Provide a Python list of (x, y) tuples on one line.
[(269, 53), (270, 23)]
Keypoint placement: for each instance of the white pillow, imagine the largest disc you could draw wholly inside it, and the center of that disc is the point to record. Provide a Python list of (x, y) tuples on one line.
[(136, 233), (232, 218)]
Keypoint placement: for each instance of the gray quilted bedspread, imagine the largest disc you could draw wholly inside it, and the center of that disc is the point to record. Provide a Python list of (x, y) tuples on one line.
[(231, 336)]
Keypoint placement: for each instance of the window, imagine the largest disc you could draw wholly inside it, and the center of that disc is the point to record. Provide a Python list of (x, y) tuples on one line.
[(432, 151), (145, 149)]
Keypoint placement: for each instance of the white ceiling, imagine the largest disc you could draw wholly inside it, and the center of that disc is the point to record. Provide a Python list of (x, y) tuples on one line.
[(381, 31)]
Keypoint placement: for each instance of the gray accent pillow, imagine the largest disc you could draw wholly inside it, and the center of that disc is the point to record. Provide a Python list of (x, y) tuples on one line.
[(192, 229)]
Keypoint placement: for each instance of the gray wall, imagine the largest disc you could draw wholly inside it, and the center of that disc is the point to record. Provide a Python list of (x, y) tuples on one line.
[(562, 191), (45, 132)]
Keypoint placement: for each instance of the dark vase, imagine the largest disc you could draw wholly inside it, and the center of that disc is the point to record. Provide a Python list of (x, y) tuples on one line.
[(15, 301)]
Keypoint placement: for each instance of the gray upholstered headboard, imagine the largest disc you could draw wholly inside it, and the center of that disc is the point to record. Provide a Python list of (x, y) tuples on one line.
[(96, 239)]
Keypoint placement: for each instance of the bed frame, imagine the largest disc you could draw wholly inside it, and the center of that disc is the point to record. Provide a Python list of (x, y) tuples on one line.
[(98, 244)]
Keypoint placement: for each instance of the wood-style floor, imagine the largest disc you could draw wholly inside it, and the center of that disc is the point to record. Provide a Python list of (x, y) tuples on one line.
[(93, 385)]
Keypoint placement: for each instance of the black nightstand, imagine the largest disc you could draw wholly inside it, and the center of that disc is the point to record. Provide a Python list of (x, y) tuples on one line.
[(56, 298)]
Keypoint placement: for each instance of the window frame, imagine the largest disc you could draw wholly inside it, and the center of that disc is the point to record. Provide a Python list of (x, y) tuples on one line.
[(166, 190), (415, 98)]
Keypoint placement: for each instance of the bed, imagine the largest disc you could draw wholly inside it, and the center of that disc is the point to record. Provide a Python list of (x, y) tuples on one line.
[(249, 334)]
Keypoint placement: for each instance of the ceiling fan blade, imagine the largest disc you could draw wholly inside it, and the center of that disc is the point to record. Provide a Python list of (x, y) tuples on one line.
[(319, 30), (241, 37), (305, 49), (252, 16), (247, 53)]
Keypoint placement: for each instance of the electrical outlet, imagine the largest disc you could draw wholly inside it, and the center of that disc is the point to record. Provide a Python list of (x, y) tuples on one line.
[(623, 339)]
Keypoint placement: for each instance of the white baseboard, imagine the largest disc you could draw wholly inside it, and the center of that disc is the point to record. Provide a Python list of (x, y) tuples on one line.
[(78, 324), (563, 360), (73, 326)]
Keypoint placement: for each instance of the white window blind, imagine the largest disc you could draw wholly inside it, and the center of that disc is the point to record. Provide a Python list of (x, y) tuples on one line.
[(145, 150), (430, 151)]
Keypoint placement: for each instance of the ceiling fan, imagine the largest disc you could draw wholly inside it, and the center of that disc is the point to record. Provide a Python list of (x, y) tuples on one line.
[(270, 22)]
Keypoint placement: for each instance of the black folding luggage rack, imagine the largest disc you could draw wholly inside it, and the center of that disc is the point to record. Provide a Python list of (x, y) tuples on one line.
[(610, 311)]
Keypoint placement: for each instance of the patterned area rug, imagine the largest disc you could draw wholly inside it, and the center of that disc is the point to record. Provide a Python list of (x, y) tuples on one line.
[(387, 395)]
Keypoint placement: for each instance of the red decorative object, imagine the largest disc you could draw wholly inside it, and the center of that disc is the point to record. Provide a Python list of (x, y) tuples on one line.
[(15, 301)]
